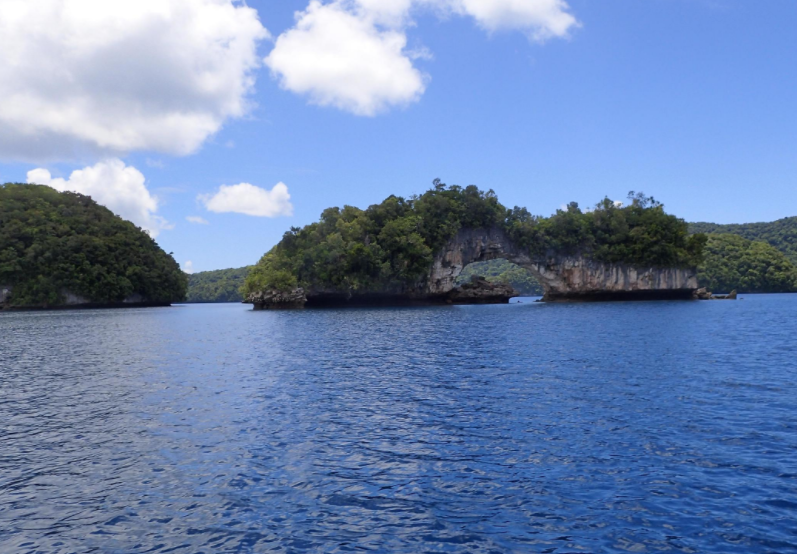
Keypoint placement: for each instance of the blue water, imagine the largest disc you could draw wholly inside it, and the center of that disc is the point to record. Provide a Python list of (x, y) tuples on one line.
[(628, 427)]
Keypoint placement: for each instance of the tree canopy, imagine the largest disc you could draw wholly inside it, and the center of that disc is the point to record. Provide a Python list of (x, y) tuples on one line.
[(52, 242), (390, 246)]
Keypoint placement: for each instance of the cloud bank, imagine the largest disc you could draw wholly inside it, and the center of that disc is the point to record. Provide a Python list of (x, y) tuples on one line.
[(248, 199), (112, 184), (352, 55), (84, 77)]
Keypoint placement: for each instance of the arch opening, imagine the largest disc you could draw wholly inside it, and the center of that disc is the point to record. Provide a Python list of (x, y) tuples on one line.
[(501, 270)]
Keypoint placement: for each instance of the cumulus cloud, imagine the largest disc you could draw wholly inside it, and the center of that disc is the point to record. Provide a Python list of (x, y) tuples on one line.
[(248, 199), (340, 58), (84, 77), (352, 54), (197, 220), (539, 19), (120, 188), (188, 267)]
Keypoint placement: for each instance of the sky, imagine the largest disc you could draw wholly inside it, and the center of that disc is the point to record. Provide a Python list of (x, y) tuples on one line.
[(218, 125)]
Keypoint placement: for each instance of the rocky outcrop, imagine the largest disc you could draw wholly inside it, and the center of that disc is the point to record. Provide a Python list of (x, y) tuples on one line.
[(482, 291), (705, 294), (277, 300)]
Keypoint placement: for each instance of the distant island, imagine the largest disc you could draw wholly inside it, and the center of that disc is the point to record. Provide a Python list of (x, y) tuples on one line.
[(221, 285), (414, 250), (62, 249)]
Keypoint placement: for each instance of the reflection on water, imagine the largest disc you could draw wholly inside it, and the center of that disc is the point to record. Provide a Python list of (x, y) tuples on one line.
[(640, 427)]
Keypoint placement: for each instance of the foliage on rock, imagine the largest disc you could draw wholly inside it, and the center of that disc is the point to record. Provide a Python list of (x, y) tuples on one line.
[(391, 246), (52, 242), (640, 234)]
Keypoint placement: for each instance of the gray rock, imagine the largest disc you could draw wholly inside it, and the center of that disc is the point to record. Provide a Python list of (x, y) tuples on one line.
[(276, 299)]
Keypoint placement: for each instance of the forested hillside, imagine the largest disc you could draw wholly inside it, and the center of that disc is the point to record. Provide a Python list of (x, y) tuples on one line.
[(222, 285), (735, 263), (782, 234), (53, 243)]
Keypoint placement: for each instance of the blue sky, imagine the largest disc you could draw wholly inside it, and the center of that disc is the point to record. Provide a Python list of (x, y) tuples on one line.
[(693, 101)]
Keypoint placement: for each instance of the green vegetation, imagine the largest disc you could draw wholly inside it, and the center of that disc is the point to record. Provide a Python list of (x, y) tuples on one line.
[(735, 263), (503, 271), (390, 246), (223, 285), (53, 242), (781, 234)]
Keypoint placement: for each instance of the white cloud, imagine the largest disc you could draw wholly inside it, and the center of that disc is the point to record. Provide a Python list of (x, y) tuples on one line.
[(197, 220), (119, 188), (91, 76), (340, 58), (248, 199), (188, 267), (540, 19), (351, 54)]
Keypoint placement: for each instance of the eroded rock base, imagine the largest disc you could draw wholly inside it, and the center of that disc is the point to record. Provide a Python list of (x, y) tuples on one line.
[(478, 291), (620, 296)]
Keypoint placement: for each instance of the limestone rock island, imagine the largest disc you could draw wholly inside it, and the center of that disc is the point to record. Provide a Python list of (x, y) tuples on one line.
[(411, 251)]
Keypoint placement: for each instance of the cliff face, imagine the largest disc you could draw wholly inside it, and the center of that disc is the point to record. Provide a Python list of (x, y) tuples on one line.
[(562, 277), (583, 279)]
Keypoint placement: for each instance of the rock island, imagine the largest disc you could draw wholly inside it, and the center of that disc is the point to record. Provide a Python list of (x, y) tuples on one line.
[(411, 251)]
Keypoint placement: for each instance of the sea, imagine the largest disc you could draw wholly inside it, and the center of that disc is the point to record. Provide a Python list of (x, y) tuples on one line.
[(525, 428)]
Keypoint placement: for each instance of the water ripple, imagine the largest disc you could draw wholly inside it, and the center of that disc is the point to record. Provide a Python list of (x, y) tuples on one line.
[(650, 427)]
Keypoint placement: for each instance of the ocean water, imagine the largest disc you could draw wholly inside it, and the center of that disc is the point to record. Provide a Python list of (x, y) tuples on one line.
[(626, 427)]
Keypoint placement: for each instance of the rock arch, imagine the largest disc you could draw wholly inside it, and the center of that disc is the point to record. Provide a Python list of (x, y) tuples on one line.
[(562, 277)]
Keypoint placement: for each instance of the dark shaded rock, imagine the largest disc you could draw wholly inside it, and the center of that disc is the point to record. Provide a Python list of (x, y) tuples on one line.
[(482, 291), (277, 300), (702, 294)]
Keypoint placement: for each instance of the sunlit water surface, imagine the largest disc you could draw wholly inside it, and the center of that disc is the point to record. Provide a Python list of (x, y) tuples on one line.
[(639, 427)]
